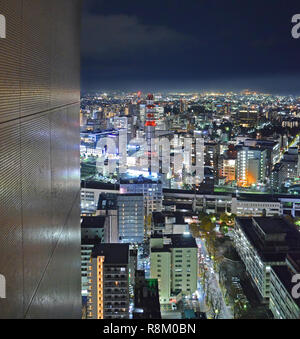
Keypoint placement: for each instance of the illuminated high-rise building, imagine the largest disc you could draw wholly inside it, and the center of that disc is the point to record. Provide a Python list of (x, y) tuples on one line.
[(248, 116), (150, 126), (229, 169), (108, 277), (251, 166), (183, 106), (131, 218)]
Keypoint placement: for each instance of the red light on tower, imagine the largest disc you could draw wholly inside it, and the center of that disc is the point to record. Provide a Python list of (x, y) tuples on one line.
[(150, 124), (150, 127), (150, 111)]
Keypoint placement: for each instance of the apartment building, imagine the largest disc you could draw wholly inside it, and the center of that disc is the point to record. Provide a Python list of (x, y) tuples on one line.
[(174, 263), (108, 274)]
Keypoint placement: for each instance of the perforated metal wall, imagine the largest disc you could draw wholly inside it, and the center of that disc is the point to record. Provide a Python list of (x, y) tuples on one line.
[(39, 159)]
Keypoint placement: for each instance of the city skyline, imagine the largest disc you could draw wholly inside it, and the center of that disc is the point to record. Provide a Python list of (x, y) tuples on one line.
[(219, 215), (164, 186)]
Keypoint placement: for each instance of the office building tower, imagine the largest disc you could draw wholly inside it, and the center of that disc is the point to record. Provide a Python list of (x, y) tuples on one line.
[(290, 163), (277, 177), (251, 166), (151, 190), (211, 157), (39, 159), (108, 296), (271, 148), (229, 169), (131, 218), (248, 116), (107, 206)]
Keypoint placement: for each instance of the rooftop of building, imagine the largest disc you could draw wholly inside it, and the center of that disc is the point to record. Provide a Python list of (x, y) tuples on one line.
[(272, 225), (271, 251), (107, 201), (257, 197), (294, 259), (165, 248), (130, 195), (159, 217), (262, 141), (258, 147), (285, 276), (176, 241), (116, 254), (183, 241), (99, 185), (93, 222)]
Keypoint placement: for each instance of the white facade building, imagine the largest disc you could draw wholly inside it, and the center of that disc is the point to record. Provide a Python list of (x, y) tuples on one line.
[(174, 262), (261, 243), (247, 208)]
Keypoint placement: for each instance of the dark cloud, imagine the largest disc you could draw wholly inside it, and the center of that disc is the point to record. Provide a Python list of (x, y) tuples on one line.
[(191, 43), (117, 37)]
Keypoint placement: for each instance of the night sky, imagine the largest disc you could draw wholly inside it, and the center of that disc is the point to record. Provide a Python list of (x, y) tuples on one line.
[(190, 45)]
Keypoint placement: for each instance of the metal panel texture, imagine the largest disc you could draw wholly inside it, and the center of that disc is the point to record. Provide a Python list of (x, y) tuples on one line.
[(39, 159)]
